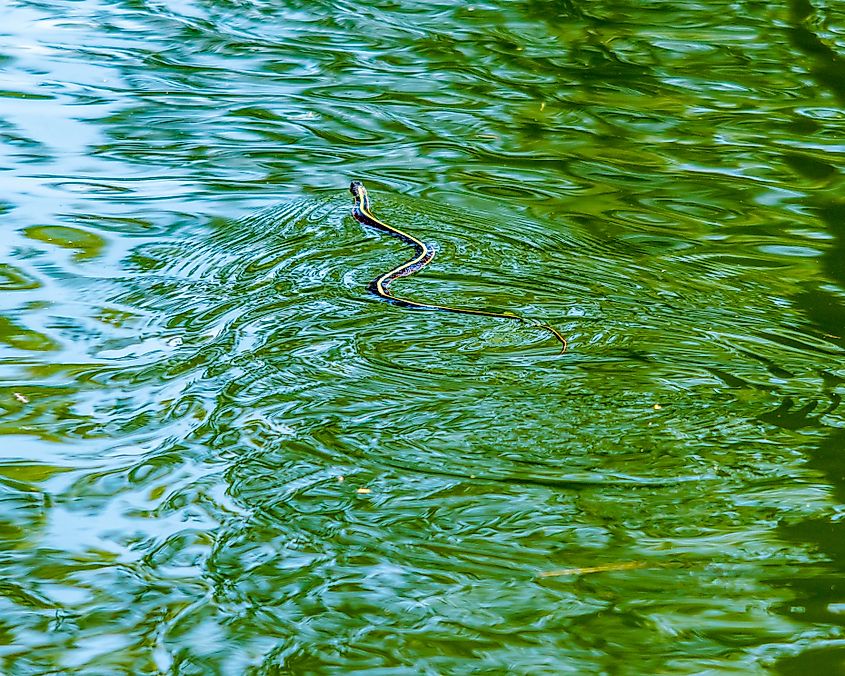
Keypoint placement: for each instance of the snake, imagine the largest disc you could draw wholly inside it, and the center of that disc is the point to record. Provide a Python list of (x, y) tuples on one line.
[(423, 254)]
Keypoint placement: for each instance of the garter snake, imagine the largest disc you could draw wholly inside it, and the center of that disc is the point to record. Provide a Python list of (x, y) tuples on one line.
[(422, 256)]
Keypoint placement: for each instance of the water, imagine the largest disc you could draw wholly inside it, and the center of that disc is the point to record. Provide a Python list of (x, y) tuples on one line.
[(222, 455)]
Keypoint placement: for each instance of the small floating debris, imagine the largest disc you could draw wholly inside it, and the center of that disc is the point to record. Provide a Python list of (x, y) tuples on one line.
[(363, 491), (21, 398), (608, 567)]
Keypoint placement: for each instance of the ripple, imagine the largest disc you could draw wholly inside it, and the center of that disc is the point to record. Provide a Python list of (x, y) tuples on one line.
[(222, 454)]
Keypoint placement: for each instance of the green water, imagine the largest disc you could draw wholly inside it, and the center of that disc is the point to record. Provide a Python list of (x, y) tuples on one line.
[(221, 455)]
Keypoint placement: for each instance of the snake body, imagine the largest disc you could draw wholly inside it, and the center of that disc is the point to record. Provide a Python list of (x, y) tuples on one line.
[(422, 256)]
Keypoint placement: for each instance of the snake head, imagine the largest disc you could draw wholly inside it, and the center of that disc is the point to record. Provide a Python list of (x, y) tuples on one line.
[(359, 193)]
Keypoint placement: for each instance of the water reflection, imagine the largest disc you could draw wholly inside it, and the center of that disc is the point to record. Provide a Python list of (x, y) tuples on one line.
[(816, 596), (221, 455)]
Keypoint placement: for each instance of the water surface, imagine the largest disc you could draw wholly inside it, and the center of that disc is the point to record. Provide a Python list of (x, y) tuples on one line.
[(222, 455)]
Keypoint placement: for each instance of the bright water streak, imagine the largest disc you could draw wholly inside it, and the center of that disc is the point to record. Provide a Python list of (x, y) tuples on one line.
[(220, 454)]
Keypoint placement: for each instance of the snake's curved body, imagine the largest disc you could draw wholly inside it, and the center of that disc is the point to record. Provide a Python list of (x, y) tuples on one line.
[(422, 256)]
